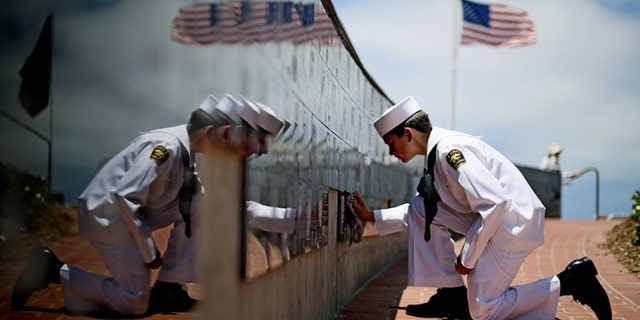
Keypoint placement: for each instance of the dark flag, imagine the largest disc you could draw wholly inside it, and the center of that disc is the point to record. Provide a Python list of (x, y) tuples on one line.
[(36, 74)]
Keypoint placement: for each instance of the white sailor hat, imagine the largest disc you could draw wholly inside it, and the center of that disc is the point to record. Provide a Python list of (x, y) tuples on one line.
[(249, 113), (230, 107), (268, 120), (554, 148), (209, 104), (285, 128), (396, 115)]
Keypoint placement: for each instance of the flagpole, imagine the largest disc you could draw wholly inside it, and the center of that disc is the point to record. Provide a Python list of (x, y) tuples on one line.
[(454, 61)]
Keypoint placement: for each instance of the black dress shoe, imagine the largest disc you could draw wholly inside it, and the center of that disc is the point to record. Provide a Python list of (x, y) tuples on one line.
[(582, 267), (43, 268), (446, 303), (168, 297), (579, 280)]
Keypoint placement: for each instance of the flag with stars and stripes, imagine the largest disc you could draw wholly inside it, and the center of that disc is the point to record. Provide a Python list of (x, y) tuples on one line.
[(253, 22), (496, 25)]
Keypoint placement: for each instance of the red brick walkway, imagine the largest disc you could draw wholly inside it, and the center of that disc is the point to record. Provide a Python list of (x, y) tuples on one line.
[(565, 240), (387, 296), (48, 304)]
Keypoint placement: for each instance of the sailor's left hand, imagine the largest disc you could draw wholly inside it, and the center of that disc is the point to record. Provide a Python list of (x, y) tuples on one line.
[(460, 268)]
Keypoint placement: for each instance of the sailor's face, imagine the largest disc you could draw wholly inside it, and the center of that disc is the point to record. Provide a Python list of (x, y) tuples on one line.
[(244, 142), (263, 143), (397, 146)]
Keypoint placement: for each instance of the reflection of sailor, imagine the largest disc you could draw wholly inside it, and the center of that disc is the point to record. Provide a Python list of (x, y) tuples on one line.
[(477, 192), (271, 219), (268, 125), (267, 218), (149, 185)]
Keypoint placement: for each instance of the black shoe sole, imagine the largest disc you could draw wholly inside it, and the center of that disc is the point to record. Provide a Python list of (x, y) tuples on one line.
[(597, 299)]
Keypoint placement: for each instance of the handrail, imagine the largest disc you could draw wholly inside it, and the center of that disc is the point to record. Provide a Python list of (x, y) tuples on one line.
[(581, 173)]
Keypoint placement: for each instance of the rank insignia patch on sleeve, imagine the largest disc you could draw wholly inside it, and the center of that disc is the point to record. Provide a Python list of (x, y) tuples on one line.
[(159, 154), (455, 158)]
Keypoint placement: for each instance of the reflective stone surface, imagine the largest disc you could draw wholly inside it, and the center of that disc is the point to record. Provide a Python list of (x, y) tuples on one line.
[(120, 67)]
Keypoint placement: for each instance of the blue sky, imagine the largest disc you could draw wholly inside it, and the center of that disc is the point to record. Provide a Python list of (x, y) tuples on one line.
[(579, 86)]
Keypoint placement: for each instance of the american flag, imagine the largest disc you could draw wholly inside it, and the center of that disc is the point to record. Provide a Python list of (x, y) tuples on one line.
[(253, 21), (496, 25)]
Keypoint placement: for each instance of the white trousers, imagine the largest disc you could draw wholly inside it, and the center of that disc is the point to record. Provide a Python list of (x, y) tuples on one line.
[(490, 293), (127, 290), (430, 263)]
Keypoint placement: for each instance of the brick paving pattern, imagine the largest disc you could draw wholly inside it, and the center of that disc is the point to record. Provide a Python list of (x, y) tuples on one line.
[(565, 240), (387, 295), (47, 304)]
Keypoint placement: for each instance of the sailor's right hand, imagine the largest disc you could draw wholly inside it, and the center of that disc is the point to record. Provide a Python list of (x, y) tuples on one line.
[(359, 206)]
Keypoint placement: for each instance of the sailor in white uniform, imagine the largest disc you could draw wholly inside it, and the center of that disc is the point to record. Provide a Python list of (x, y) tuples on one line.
[(151, 184), (263, 217), (473, 190)]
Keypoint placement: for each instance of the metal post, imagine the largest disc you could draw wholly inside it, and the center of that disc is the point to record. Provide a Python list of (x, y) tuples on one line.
[(583, 171), (454, 62)]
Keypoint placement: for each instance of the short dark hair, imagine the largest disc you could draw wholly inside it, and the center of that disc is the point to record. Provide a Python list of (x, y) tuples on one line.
[(200, 119), (419, 121)]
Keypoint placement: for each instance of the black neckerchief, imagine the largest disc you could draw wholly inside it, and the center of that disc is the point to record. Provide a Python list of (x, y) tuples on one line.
[(427, 190), (187, 191)]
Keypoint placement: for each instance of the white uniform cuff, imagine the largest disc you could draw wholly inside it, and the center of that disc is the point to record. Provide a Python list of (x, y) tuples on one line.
[(391, 220)]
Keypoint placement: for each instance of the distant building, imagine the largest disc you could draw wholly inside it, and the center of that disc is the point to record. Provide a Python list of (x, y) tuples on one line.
[(547, 185)]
